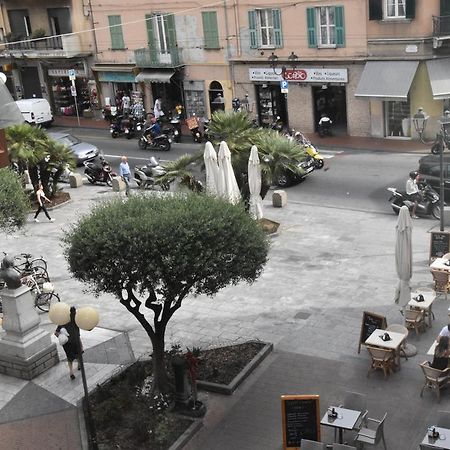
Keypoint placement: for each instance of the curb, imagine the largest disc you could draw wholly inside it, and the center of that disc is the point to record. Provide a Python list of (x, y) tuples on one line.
[(228, 389), (187, 435)]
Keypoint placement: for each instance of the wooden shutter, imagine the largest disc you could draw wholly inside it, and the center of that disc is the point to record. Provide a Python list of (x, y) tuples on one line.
[(410, 9), (210, 29), (277, 33), (116, 32), (171, 33), (151, 38), (311, 24), (252, 29), (445, 8), (375, 10), (339, 25)]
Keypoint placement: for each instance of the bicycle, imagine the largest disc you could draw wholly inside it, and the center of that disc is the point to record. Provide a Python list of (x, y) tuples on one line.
[(42, 290), (30, 266)]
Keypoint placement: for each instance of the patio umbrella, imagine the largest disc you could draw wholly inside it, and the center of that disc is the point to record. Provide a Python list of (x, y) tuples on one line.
[(228, 187), (212, 169), (403, 256), (254, 183)]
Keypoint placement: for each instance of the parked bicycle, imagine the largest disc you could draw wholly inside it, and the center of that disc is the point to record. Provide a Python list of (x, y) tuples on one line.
[(30, 265), (42, 290)]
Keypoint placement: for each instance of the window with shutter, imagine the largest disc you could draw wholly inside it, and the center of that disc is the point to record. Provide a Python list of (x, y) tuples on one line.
[(252, 29), (210, 30), (375, 10), (311, 24), (395, 9), (326, 26), (115, 28), (265, 28)]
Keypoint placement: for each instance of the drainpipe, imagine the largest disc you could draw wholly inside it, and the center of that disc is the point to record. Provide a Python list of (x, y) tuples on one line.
[(93, 28), (227, 34)]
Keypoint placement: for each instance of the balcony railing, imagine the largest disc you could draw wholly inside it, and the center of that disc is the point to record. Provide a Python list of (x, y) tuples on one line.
[(149, 57), (50, 43), (441, 26)]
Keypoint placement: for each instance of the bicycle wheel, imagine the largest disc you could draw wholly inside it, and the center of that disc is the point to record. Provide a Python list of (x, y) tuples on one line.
[(40, 275), (45, 300), (39, 262)]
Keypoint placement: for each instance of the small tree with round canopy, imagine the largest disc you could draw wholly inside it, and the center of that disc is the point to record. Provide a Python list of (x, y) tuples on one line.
[(151, 252)]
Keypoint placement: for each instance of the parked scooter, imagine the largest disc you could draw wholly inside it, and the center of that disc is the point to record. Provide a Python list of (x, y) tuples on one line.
[(310, 149), (277, 124), (128, 126), (99, 170), (154, 138), (324, 127), (429, 205), (116, 128), (146, 176)]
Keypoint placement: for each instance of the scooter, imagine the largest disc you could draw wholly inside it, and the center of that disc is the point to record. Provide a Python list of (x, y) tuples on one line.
[(310, 149), (128, 126), (153, 138), (429, 205), (116, 128), (99, 171), (146, 176)]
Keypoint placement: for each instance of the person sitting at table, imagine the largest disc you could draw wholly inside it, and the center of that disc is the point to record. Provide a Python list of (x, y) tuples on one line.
[(441, 354), (444, 332)]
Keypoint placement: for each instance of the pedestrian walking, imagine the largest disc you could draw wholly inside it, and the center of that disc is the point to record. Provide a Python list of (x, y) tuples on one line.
[(125, 173), (72, 344), (413, 192), (41, 198), (126, 101)]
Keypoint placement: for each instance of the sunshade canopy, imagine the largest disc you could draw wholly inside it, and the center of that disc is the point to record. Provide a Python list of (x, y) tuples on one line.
[(438, 71), (154, 76)]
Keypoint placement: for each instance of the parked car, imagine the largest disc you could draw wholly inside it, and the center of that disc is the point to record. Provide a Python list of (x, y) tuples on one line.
[(429, 169), (83, 151), (288, 178), (36, 111)]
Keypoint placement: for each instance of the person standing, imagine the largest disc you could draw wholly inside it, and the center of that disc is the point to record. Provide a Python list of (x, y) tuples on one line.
[(126, 101), (412, 191), (157, 109), (125, 173), (73, 344), (41, 199)]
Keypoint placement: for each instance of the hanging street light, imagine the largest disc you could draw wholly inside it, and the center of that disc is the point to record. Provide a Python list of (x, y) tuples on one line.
[(273, 61)]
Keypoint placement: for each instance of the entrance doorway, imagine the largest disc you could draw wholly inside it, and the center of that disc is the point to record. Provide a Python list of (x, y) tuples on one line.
[(30, 82), (270, 104), (331, 100)]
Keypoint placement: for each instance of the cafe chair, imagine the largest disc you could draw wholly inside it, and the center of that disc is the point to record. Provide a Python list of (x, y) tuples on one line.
[(415, 320), (443, 419), (397, 328), (372, 435), (381, 359), (356, 402), (441, 281), (435, 379), (306, 444), (343, 447)]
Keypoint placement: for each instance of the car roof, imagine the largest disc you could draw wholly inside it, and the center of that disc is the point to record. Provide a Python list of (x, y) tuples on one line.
[(57, 134), (433, 159)]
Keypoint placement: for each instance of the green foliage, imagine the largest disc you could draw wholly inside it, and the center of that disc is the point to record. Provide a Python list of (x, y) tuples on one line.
[(38, 33), (179, 170), (14, 203), (168, 246)]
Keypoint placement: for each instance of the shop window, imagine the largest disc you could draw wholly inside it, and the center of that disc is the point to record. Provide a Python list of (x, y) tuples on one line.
[(325, 26), (115, 28), (216, 100), (210, 30), (392, 9), (265, 28), (398, 119)]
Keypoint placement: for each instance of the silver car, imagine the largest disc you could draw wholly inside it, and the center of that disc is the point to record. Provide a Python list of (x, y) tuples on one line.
[(81, 150)]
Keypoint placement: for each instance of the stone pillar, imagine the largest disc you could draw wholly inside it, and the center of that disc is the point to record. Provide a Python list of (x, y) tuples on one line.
[(26, 350)]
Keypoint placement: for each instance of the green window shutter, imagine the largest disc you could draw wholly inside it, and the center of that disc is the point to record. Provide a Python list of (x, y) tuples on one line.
[(339, 24), (116, 32), (252, 28), (277, 34), (151, 38), (311, 24), (171, 33), (410, 9), (375, 10), (210, 29)]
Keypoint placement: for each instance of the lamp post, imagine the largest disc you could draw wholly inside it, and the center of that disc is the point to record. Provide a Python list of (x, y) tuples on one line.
[(86, 318), (273, 61), (445, 130), (420, 122)]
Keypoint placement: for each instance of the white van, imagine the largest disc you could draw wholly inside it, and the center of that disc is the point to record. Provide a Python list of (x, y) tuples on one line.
[(36, 111)]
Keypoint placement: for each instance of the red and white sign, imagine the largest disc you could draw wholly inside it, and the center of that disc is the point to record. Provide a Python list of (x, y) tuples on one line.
[(301, 75)]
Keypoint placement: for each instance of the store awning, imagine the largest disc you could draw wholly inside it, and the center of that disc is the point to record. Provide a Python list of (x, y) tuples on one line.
[(113, 68), (439, 73), (386, 80), (154, 76)]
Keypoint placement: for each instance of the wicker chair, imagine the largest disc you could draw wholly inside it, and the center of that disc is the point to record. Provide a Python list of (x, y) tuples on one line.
[(381, 359), (435, 379), (441, 281), (415, 320)]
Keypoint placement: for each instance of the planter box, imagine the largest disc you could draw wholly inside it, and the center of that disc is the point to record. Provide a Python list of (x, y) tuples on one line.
[(228, 389)]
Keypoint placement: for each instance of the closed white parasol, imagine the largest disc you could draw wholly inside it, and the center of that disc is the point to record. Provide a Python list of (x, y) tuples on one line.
[(254, 183), (228, 187), (211, 168)]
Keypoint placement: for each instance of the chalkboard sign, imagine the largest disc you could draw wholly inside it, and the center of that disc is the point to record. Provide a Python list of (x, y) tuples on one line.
[(370, 322), (439, 244), (301, 419)]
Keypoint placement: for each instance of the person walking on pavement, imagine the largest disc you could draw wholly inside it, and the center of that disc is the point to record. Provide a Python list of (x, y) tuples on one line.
[(41, 199), (125, 173), (412, 191), (71, 348)]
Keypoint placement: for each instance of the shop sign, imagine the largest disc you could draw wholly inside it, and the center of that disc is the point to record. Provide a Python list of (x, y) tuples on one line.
[(116, 77), (64, 73), (301, 75)]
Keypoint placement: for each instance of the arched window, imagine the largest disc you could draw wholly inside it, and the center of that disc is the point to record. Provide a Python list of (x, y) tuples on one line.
[(216, 100)]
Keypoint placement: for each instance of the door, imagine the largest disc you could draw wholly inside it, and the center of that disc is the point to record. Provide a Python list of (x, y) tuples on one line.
[(60, 23), (331, 101), (30, 82)]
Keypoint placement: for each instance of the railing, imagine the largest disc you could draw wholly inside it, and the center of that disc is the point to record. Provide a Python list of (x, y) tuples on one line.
[(149, 57), (441, 26), (51, 43)]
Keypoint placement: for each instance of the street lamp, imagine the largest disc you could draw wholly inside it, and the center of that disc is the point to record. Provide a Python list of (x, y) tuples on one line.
[(86, 318), (273, 61), (420, 122)]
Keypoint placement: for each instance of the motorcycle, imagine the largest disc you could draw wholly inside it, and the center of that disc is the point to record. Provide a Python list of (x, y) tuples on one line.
[(153, 137), (128, 126), (324, 127), (173, 128), (116, 128), (146, 176), (198, 128), (99, 171), (310, 149), (429, 205)]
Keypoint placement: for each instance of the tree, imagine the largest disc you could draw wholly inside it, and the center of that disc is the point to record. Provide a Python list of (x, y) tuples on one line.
[(33, 149), (14, 203), (154, 251)]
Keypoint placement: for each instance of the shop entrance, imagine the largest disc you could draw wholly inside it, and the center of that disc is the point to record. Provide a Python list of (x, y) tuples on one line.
[(30, 82), (270, 103), (171, 94), (331, 100)]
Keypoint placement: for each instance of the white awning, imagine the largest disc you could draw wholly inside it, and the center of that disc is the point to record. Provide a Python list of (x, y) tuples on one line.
[(386, 80), (154, 76), (113, 68), (439, 73)]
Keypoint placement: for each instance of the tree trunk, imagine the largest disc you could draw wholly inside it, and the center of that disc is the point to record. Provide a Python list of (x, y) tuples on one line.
[(159, 363)]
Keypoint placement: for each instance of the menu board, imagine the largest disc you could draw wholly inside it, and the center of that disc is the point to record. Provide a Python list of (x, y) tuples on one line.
[(439, 244), (301, 419), (370, 322)]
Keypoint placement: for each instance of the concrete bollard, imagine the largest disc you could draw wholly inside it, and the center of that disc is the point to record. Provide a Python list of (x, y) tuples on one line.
[(279, 198), (75, 180), (118, 184)]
